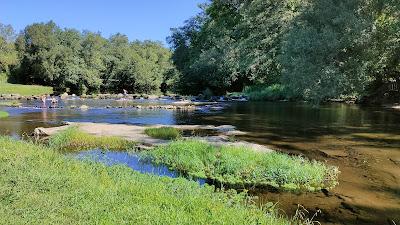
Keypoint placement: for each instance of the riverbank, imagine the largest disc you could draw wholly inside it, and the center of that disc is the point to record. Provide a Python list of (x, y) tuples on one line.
[(40, 185), (19, 91)]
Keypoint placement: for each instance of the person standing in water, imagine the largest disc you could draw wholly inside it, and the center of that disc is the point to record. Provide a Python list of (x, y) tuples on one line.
[(54, 101), (125, 93), (43, 98)]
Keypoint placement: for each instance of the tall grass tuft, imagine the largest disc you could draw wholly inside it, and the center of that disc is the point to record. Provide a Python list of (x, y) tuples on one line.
[(241, 166), (166, 133), (73, 139), (39, 185)]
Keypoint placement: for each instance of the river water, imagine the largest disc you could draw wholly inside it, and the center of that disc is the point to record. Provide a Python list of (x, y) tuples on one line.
[(363, 142)]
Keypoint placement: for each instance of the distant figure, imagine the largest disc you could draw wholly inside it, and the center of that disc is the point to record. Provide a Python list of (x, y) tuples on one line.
[(54, 101), (125, 93), (43, 98)]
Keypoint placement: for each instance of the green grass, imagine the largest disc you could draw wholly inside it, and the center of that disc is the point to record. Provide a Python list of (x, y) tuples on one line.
[(39, 185), (10, 103), (24, 90), (3, 114), (240, 166), (166, 133), (73, 139), (265, 93)]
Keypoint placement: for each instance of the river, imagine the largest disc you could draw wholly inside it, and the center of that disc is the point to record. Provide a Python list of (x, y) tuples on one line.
[(364, 142)]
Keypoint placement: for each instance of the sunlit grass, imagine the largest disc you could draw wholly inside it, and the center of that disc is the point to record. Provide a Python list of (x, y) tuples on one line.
[(241, 166), (10, 103), (39, 185), (24, 90), (3, 114), (73, 139), (166, 133)]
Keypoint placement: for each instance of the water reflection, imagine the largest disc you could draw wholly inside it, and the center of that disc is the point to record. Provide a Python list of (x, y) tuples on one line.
[(131, 160)]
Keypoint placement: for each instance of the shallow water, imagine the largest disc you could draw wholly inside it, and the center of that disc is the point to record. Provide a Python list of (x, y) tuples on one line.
[(363, 142), (131, 160)]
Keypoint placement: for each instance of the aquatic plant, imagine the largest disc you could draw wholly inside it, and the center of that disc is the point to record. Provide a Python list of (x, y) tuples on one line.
[(39, 185), (73, 139), (241, 166), (3, 114), (166, 133)]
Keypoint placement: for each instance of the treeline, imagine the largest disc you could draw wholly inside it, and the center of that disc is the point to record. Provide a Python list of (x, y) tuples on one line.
[(82, 62), (312, 49)]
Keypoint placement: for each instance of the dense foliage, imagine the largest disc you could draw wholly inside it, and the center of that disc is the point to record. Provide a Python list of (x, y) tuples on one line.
[(317, 49), (83, 62)]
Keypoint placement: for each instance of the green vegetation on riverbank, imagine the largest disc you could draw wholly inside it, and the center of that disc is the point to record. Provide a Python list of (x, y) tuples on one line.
[(3, 114), (240, 166), (166, 133), (14, 103), (41, 186), (83, 62), (317, 49), (24, 90), (265, 93), (73, 139)]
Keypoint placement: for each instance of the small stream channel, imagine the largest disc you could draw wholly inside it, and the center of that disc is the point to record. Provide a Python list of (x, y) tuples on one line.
[(132, 160)]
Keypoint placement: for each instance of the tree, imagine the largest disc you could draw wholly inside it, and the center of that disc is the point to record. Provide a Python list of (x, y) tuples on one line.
[(8, 54)]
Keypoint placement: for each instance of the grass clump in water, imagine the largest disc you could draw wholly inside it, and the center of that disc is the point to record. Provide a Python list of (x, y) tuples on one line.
[(241, 166), (73, 139), (166, 133), (39, 185), (3, 114)]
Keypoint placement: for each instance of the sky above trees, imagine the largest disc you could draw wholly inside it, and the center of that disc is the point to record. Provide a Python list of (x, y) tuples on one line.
[(142, 20)]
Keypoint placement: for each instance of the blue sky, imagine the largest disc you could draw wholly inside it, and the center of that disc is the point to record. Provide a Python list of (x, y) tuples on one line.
[(139, 19)]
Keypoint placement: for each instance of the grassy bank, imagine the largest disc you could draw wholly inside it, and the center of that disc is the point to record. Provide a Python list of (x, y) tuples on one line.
[(166, 133), (10, 103), (265, 93), (240, 166), (73, 139), (24, 90), (38, 185), (3, 114)]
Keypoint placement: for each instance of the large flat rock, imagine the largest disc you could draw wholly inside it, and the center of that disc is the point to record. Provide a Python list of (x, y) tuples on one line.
[(136, 133)]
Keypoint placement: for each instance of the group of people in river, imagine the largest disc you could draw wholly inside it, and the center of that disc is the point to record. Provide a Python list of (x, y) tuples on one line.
[(54, 101)]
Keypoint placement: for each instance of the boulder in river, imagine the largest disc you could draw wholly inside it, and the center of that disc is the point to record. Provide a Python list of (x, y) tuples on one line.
[(64, 95), (84, 107)]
